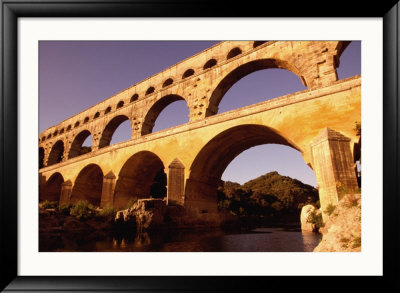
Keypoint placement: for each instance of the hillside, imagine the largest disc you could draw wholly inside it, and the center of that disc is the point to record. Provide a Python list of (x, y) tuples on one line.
[(270, 196)]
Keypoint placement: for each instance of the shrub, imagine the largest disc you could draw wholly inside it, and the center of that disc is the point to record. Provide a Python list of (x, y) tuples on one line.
[(65, 209), (49, 204), (330, 209), (108, 212), (82, 210), (316, 219)]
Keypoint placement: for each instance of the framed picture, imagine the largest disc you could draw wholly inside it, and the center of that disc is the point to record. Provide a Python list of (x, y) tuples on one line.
[(36, 34)]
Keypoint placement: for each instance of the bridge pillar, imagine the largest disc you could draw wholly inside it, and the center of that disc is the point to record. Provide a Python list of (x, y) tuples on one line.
[(107, 192), (333, 165), (176, 182), (66, 190), (46, 156)]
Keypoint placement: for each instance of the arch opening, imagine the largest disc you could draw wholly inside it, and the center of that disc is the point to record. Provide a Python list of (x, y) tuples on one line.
[(258, 43), (210, 63), (142, 176), (97, 115), (41, 157), (208, 167), (52, 188), (120, 104), (111, 128), (348, 59), (56, 153), (233, 53), (188, 73), (168, 82), (242, 71), (88, 185), (150, 90), (158, 107), (134, 98), (79, 145)]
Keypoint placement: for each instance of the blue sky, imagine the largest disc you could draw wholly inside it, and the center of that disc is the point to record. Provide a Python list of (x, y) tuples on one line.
[(74, 75)]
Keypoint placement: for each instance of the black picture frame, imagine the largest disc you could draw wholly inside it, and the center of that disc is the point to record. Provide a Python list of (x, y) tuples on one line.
[(13, 9)]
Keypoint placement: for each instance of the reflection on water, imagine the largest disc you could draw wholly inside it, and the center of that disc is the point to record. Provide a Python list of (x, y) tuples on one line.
[(284, 239)]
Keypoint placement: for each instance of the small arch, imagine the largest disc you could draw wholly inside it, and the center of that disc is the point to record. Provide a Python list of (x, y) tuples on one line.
[(258, 43), (233, 53), (141, 176), (150, 90), (214, 157), (49, 136), (108, 110), (41, 157), (238, 73), (62, 131), (120, 104), (43, 138), (88, 185), (97, 115), (155, 110), (210, 63), (168, 82), (69, 127), (188, 73), (55, 133), (86, 120), (56, 153), (52, 188), (134, 98), (76, 147), (76, 124), (110, 129)]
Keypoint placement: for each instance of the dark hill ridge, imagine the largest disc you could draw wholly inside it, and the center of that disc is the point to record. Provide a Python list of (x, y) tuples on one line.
[(268, 196)]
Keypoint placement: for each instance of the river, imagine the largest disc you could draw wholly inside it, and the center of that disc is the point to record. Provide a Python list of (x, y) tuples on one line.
[(287, 238)]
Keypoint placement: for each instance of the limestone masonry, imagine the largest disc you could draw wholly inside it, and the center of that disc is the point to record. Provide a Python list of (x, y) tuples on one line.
[(319, 122)]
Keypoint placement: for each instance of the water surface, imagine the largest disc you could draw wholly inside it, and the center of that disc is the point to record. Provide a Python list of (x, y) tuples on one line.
[(269, 239)]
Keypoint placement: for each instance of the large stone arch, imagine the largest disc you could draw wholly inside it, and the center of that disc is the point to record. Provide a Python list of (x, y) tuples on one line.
[(155, 110), (109, 130), (76, 145), (210, 163), (241, 71), (138, 178), (340, 47), (56, 153), (88, 185), (52, 188)]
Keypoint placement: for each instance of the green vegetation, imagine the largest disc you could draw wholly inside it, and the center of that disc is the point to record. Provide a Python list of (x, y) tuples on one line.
[(330, 209), (82, 210), (271, 196), (316, 219), (49, 204), (65, 209), (108, 212)]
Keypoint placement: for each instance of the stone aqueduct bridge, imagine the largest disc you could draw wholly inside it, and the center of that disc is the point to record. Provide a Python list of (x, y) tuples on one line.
[(319, 122)]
